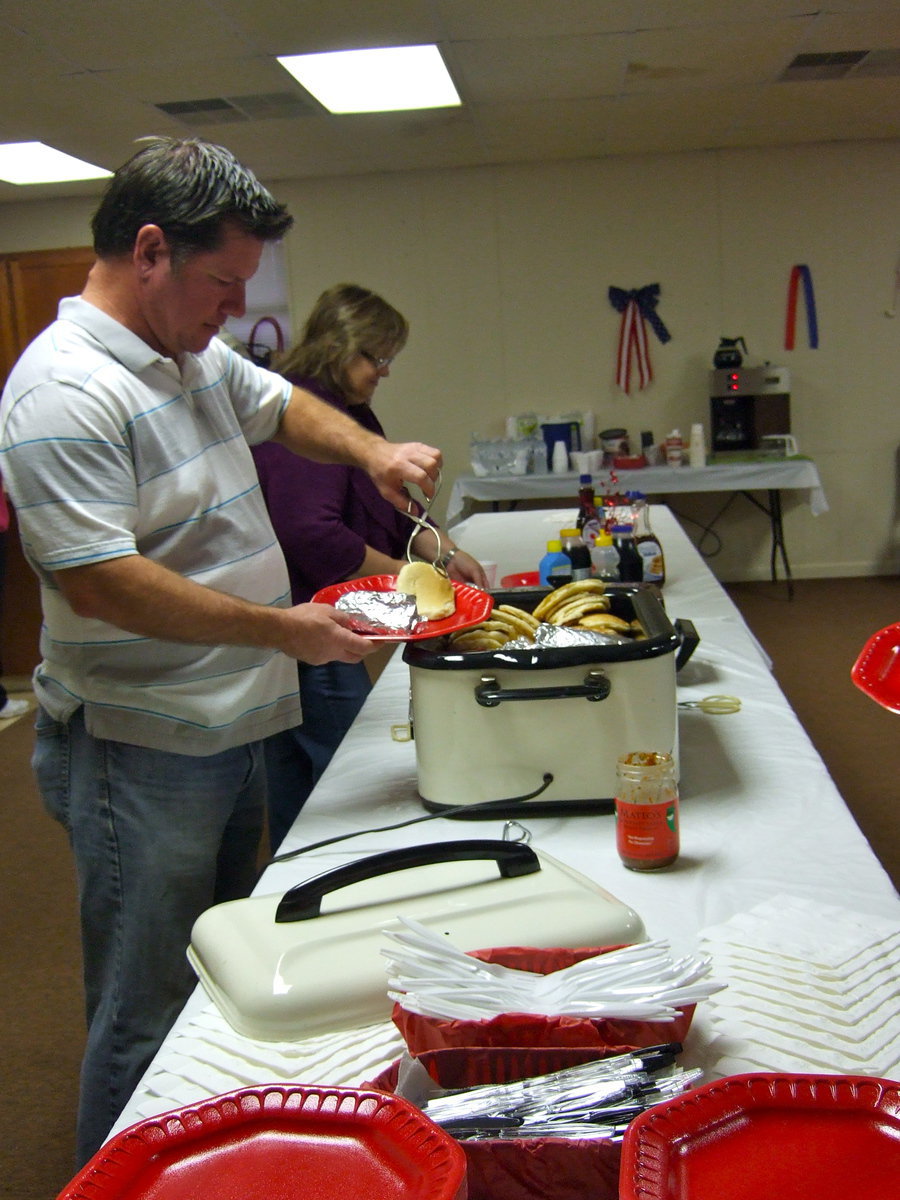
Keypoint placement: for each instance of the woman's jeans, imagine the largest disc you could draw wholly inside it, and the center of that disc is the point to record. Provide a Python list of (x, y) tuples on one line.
[(157, 839), (331, 695)]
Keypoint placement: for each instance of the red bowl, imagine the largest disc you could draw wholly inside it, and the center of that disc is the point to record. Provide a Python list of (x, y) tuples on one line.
[(529, 1030), (522, 1168)]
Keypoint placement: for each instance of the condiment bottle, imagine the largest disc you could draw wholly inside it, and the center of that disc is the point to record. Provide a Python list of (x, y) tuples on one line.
[(578, 553), (647, 835), (555, 568), (647, 543), (605, 557), (631, 565), (588, 519), (674, 449)]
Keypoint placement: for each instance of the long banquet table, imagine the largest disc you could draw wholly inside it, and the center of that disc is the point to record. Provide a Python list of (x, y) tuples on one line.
[(761, 821)]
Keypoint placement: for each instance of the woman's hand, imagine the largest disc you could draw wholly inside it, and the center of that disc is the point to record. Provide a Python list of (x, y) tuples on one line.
[(466, 569)]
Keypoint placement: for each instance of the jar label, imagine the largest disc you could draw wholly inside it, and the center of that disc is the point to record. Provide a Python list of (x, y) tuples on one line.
[(647, 832)]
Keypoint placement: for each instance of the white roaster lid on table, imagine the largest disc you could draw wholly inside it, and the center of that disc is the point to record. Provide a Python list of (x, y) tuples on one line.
[(322, 970)]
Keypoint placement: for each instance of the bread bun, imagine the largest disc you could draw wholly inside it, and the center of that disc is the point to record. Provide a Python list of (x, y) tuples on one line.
[(433, 590)]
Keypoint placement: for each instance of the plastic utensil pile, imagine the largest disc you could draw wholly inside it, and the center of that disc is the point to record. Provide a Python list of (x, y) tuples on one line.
[(592, 1100), (430, 976)]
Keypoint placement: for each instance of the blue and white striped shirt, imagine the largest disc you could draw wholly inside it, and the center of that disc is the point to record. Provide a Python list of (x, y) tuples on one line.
[(109, 449)]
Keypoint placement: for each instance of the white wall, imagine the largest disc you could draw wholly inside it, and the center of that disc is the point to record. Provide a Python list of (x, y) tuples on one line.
[(503, 273)]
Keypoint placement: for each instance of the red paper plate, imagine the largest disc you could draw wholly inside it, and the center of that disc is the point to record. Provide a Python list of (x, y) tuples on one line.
[(756, 1137), (472, 607), (279, 1142), (877, 670)]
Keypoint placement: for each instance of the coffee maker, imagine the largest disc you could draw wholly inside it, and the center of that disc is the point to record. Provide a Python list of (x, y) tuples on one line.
[(746, 404)]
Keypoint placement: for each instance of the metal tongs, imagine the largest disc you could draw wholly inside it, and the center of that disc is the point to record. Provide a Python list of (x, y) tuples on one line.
[(420, 522)]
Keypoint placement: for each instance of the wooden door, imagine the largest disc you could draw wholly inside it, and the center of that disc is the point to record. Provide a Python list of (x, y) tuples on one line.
[(31, 286)]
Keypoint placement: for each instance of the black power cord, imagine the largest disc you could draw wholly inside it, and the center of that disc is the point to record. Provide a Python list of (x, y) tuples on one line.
[(485, 806)]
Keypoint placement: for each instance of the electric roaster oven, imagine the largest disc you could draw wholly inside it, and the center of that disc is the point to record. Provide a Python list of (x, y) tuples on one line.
[(541, 728)]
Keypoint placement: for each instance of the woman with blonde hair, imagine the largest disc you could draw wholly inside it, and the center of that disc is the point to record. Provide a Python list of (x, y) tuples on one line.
[(333, 524)]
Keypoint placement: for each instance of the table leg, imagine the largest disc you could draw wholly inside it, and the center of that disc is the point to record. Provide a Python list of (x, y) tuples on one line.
[(773, 511)]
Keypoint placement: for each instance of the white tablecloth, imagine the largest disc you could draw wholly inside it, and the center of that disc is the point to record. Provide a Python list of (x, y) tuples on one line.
[(761, 818), (793, 473)]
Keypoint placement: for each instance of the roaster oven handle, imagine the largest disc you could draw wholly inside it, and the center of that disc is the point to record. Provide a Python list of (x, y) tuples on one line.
[(304, 901), (596, 686), (688, 640)]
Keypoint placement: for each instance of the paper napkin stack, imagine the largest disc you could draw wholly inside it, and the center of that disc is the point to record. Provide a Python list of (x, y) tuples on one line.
[(810, 988)]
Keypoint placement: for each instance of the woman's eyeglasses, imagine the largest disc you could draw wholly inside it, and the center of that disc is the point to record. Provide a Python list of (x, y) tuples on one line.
[(378, 363)]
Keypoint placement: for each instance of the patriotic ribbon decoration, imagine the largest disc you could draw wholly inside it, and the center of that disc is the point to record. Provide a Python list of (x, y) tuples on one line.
[(636, 306), (799, 273)]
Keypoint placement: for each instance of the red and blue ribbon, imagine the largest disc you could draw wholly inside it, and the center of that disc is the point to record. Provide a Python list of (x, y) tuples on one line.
[(636, 306), (801, 274)]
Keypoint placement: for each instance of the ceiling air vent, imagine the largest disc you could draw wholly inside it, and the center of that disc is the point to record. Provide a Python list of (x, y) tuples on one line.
[(225, 110), (835, 65), (878, 63)]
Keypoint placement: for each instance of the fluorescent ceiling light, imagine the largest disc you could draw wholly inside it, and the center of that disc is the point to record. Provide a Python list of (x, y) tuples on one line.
[(386, 80), (33, 162)]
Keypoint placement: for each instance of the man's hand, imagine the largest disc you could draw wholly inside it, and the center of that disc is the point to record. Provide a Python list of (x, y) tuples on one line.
[(392, 465), (319, 634)]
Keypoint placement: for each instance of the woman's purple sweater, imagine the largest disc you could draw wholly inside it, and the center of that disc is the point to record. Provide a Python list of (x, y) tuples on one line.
[(324, 515)]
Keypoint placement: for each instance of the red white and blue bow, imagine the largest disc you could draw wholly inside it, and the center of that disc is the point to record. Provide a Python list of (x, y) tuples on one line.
[(636, 306)]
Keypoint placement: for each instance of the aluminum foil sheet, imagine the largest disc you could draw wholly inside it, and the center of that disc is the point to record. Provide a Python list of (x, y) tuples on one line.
[(380, 612), (547, 636)]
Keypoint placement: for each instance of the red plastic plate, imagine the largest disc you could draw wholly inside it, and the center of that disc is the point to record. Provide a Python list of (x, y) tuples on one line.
[(877, 670), (759, 1136), (521, 579), (472, 607), (279, 1142)]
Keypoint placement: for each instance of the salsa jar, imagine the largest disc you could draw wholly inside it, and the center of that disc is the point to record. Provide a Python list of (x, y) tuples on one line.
[(647, 833)]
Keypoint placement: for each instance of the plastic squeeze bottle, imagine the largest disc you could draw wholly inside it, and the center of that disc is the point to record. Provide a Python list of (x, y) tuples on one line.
[(555, 568), (631, 565), (578, 553), (588, 520), (605, 557)]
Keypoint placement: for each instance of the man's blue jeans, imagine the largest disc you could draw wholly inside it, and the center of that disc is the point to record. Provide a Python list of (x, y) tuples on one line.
[(157, 838)]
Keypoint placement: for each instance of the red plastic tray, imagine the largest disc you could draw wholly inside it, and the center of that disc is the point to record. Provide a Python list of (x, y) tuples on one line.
[(759, 1136), (877, 670), (472, 607), (279, 1142)]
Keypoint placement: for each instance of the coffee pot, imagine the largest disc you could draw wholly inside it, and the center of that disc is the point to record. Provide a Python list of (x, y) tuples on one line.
[(727, 355)]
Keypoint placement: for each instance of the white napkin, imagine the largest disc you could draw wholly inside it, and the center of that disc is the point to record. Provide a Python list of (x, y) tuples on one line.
[(810, 987)]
